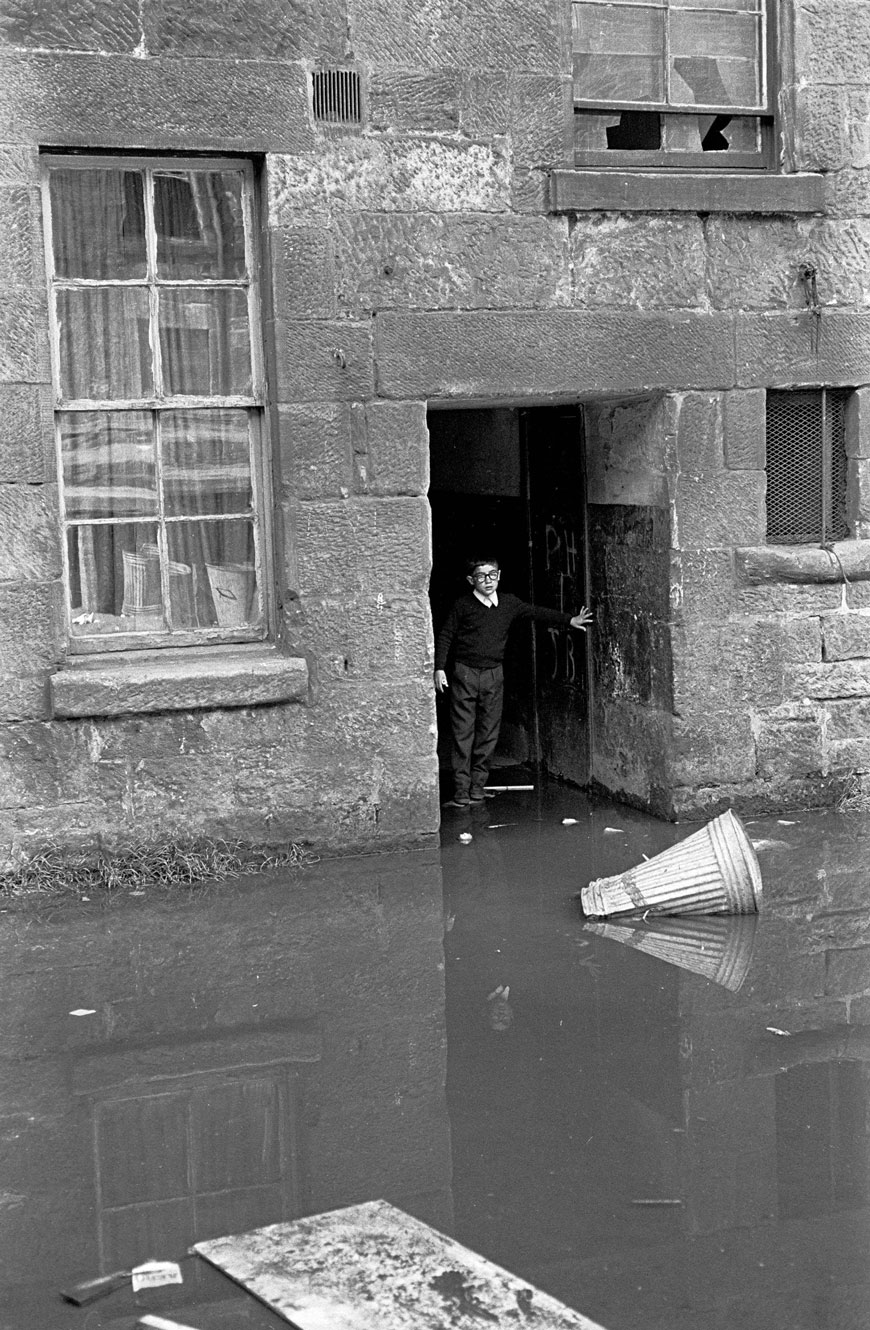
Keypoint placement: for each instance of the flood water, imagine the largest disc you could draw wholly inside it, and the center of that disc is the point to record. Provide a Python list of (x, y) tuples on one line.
[(665, 1128)]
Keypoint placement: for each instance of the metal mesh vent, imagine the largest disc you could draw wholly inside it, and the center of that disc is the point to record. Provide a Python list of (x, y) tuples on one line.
[(336, 96), (806, 466)]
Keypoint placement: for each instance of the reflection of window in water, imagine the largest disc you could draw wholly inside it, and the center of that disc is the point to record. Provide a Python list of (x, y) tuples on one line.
[(159, 419), (821, 1138)]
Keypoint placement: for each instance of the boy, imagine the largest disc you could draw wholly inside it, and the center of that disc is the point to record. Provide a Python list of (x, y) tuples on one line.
[(475, 633)]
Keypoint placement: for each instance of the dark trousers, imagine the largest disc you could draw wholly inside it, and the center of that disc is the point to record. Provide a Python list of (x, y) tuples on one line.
[(476, 698)]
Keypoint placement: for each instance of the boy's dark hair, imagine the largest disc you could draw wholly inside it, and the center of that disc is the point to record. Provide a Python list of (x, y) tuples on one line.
[(471, 564)]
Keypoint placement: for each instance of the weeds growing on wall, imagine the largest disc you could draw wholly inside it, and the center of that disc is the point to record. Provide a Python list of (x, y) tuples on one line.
[(143, 870)]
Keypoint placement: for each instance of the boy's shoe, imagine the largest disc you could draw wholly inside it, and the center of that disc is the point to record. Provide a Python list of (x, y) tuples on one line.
[(480, 796), (458, 801)]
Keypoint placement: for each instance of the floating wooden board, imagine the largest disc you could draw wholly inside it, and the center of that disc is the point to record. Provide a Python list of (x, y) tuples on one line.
[(372, 1267)]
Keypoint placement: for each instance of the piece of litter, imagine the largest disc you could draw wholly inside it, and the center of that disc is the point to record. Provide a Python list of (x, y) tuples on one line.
[(162, 1323), (91, 1289), (644, 856), (465, 837), (499, 789), (770, 845), (493, 826), (783, 822), (503, 991), (656, 1200), (569, 821), (154, 1274), (136, 893), (619, 830), (773, 1030), (84, 1011)]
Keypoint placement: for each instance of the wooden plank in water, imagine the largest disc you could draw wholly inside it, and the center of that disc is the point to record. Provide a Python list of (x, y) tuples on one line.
[(373, 1267)]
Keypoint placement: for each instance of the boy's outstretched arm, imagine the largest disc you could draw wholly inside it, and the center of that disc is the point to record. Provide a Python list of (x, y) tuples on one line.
[(581, 619)]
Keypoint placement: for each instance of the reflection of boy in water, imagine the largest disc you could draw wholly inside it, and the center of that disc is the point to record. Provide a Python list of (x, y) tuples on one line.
[(474, 636)]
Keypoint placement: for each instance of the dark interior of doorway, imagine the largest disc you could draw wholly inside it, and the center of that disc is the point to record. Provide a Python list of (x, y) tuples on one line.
[(509, 484)]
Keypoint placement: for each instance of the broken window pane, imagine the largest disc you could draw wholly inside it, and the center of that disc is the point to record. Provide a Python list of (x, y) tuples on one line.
[(109, 468), (98, 224), (206, 462), (200, 225), (732, 78)]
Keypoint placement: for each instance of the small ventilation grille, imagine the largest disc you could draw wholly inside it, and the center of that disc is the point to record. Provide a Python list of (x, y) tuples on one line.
[(806, 466), (336, 97)]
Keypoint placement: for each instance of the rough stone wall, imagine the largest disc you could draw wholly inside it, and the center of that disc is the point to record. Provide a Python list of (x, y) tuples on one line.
[(414, 261)]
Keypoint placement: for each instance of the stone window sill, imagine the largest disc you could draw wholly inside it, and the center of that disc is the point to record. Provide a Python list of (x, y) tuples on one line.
[(608, 190), (763, 564), (147, 681)]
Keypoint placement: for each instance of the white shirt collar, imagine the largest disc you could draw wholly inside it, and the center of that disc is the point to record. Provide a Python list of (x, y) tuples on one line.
[(489, 601)]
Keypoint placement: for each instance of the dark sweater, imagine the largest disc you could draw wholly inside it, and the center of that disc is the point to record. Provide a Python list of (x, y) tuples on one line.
[(477, 634)]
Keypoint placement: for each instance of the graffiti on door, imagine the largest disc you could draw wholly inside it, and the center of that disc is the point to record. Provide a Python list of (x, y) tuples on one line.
[(562, 568)]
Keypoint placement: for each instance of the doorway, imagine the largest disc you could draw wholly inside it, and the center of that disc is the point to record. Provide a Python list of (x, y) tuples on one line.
[(510, 484)]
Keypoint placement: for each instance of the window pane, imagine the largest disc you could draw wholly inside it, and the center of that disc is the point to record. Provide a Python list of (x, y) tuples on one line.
[(108, 464), (733, 77), (114, 579), (618, 53), (220, 556), (104, 349), (205, 342), (200, 224), (98, 223), (206, 462)]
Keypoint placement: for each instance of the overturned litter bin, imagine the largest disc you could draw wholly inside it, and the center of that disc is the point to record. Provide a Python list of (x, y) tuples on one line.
[(714, 871)]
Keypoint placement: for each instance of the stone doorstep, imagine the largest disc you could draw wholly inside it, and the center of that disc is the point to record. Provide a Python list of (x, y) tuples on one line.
[(119, 685)]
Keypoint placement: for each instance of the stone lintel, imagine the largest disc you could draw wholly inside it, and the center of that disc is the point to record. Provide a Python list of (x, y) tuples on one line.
[(145, 682), (685, 191), (804, 563)]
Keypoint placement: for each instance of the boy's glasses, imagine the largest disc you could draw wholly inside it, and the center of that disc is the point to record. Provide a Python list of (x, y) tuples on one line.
[(486, 577)]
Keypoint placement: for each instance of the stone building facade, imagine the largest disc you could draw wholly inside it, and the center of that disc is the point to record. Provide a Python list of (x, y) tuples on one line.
[(445, 213)]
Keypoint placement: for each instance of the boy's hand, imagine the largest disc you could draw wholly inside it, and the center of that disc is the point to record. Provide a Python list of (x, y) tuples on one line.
[(441, 681), (580, 620)]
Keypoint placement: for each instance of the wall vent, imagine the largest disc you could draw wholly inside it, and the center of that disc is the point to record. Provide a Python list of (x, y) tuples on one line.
[(336, 97), (806, 466)]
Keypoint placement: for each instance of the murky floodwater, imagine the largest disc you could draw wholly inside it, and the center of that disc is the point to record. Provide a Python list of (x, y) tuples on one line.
[(659, 1144)]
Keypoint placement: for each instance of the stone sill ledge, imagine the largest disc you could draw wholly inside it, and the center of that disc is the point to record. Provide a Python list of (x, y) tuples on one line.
[(805, 564), (138, 682), (591, 189)]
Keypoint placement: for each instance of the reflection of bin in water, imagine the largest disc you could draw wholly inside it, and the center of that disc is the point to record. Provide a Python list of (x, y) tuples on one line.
[(719, 949), (714, 871), (234, 592)]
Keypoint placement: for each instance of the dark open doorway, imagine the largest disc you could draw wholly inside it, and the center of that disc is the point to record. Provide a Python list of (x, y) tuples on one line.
[(509, 484)]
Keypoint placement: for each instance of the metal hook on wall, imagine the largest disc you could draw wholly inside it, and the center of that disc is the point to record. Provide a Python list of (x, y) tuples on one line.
[(808, 274)]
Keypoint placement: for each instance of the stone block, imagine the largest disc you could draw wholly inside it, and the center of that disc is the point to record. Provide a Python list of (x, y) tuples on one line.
[(699, 434), (542, 120), (19, 164), (23, 336), (845, 636), (711, 749), (20, 237), (389, 33), (786, 598), (30, 626), (849, 756), (268, 30), (322, 362), (850, 678), (857, 440), (629, 452), (315, 448), (847, 193), (368, 636), (848, 972), (484, 104), (26, 434), (849, 719), (815, 124), (722, 510), (29, 543), (520, 35), (125, 102), (832, 41), (745, 429), (741, 664), (215, 679), (79, 25), (428, 102), (410, 174), (781, 350), (303, 269), (530, 191), (372, 544), (512, 355), (398, 448), (755, 264), (701, 585), (790, 745), (395, 261), (638, 262)]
